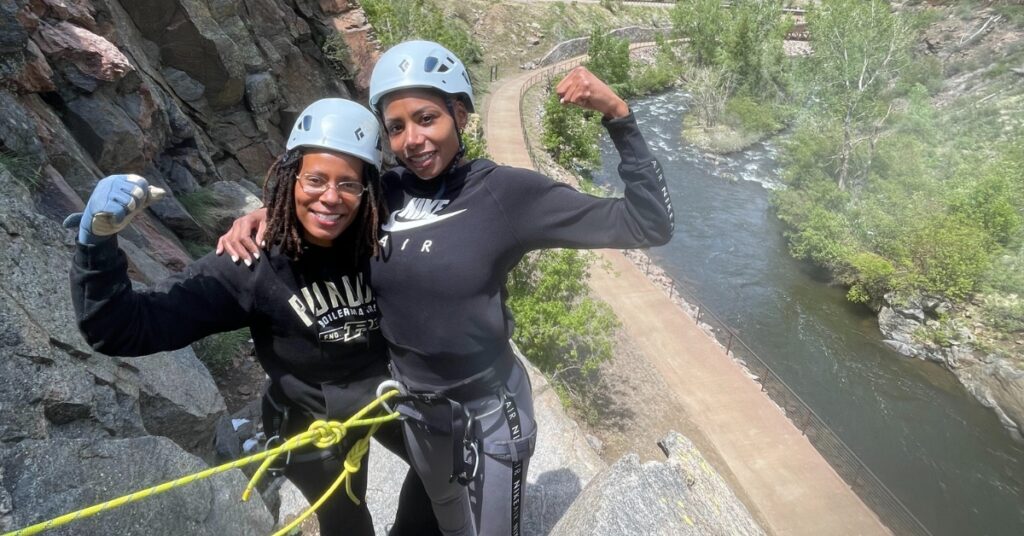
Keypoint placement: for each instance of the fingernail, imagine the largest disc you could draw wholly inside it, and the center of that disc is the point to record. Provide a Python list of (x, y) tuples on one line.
[(248, 262), (257, 255), (263, 243), (234, 259)]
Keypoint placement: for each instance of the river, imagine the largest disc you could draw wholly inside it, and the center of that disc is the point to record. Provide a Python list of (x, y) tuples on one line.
[(940, 451)]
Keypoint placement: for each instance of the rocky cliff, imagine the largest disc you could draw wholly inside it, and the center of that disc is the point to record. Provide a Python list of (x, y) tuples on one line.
[(187, 93)]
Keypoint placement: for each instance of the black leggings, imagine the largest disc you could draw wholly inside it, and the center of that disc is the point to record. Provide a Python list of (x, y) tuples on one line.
[(339, 515)]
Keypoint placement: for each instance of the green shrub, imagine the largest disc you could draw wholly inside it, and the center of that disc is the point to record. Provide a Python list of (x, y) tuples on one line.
[(950, 256), (1004, 314), (219, 350), (872, 277), (571, 134), (473, 139), (395, 21), (660, 74), (559, 327), (199, 204), (1006, 274), (608, 59), (823, 238), (24, 168), (747, 114), (704, 23), (337, 56), (990, 193)]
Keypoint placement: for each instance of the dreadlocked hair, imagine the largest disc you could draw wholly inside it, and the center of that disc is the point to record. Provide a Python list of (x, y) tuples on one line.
[(283, 225), (370, 211), (279, 197)]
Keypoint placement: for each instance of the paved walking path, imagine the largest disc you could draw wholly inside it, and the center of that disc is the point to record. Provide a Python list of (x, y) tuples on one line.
[(787, 484)]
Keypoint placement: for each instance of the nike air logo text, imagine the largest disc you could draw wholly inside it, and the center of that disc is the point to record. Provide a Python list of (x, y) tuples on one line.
[(418, 213)]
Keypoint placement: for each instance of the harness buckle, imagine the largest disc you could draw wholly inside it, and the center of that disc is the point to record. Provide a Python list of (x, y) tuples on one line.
[(397, 386), (470, 456), (277, 467)]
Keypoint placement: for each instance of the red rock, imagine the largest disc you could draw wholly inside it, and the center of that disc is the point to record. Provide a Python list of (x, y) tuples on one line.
[(363, 51), (78, 11), (91, 53), (334, 7), (36, 76)]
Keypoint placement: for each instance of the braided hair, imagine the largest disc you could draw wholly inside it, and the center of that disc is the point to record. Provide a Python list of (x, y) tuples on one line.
[(283, 225)]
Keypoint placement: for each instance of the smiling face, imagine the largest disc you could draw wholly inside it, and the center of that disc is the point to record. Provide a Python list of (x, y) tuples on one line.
[(421, 131), (325, 216)]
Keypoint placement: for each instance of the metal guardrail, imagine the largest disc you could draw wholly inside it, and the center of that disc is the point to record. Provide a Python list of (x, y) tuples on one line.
[(889, 509)]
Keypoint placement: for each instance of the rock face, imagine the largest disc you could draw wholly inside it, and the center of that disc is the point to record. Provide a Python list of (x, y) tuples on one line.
[(185, 92), (996, 382), (678, 497), (55, 390)]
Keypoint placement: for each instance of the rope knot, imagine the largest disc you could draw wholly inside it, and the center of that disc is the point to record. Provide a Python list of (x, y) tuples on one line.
[(328, 433)]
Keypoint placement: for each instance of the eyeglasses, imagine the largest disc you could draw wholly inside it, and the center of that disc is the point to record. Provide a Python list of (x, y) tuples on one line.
[(317, 185)]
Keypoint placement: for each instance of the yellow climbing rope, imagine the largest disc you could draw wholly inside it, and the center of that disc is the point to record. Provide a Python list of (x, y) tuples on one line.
[(321, 434)]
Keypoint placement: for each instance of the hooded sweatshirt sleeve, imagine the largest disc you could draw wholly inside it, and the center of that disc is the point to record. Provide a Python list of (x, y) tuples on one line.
[(210, 296), (544, 213)]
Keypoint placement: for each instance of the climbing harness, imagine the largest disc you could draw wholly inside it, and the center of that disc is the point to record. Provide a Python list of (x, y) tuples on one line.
[(455, 419), (322, 434)]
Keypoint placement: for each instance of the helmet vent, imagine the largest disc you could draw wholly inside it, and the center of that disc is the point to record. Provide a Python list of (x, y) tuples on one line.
[(442, 69), (466, 78), (430, 64), (307, 121)]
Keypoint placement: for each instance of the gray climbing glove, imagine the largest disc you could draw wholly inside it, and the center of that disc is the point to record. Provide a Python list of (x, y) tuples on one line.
[(111, 206)]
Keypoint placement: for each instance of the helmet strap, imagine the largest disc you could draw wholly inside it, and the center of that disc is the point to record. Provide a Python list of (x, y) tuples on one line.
[(458, 134)]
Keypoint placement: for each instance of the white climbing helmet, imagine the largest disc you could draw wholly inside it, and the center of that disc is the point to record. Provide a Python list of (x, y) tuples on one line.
[(339, 125), (419, 64)]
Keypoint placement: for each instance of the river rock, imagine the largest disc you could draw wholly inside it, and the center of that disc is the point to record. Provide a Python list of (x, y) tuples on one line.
[(897, 326), (44, 479), (680, 496), (904, 349), (999, 384)]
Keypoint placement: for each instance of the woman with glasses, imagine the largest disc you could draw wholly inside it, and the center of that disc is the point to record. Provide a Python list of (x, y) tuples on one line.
[(309, 307)]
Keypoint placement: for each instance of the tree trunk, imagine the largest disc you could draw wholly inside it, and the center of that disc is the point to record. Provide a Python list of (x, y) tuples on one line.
[(846, 152)]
